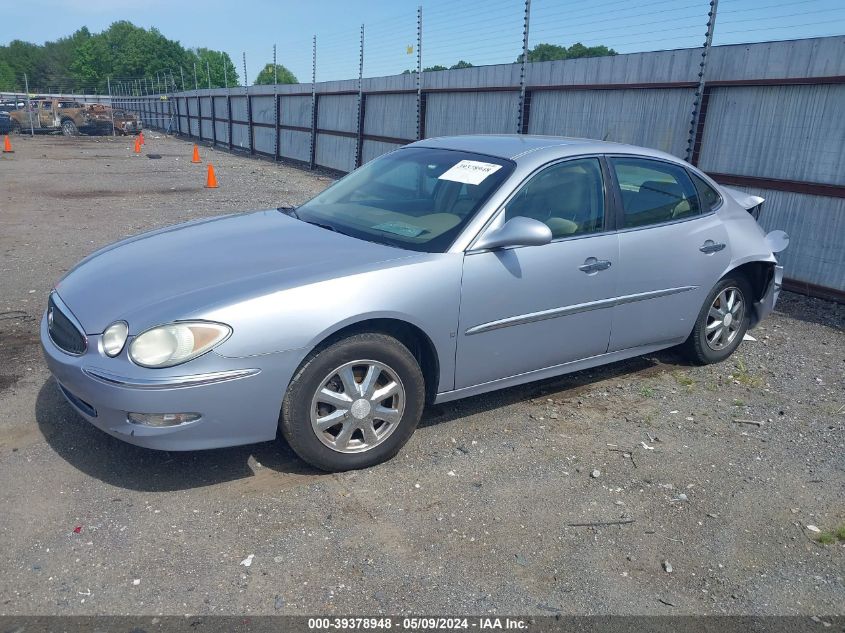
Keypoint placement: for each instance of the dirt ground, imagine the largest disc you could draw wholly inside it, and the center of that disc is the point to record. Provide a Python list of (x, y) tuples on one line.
[(474, 516)]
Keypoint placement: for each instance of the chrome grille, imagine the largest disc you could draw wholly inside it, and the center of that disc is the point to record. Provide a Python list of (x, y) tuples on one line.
[(63, 332)]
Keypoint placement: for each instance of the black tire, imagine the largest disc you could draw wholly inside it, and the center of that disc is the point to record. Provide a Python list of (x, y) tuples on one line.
[(16, 127), (69, 128), (696, 347), (295, 418)]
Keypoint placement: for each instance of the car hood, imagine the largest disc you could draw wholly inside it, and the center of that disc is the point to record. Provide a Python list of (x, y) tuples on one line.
[(177, 272)]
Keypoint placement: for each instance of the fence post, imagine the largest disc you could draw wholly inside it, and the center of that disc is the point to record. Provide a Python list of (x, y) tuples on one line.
[(229, 116), (248, 109), (111, 106), (275, 107), (213, 119), (699, 110), (199, 103), (359, 146), (28, 105), (313, 149), (420, 104), (522, 115)]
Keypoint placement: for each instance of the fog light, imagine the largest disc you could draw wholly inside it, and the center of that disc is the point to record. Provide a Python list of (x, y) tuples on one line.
[(162, 419)]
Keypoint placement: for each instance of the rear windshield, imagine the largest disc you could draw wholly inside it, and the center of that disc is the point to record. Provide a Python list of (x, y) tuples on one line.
[(415, 198)]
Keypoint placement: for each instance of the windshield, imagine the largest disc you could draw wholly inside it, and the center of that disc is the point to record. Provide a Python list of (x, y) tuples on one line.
[(415, 198)]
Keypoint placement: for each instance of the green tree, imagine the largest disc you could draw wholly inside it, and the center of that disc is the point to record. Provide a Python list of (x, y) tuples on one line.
[(283, 76), (23, 58), (435, 67), (550, 52), (7, 77), (460, 64), (53, 69), (125, 51), (220, 67)]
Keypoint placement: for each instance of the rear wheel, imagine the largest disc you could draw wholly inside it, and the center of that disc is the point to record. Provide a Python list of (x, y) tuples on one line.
[(69, 128), (16, 127), (353, 404), (722, 322)]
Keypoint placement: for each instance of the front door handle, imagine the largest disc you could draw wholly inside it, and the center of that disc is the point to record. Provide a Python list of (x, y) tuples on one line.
[(592, 265), (710, 247)]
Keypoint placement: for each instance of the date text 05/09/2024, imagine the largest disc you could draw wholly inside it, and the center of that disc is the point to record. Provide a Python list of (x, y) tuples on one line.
[(418, 623)]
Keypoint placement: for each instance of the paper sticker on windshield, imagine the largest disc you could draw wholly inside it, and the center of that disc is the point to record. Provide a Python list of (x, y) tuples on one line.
[(470, 172)]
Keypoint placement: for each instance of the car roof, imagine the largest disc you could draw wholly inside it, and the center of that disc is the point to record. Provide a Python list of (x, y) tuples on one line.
[(520, 147)]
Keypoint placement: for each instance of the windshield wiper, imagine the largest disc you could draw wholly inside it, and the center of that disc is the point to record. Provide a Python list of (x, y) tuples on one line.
[(323, 226), (291, 211)]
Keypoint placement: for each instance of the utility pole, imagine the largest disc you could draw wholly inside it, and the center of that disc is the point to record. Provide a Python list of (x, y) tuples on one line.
[(208, 73), (182, 75)]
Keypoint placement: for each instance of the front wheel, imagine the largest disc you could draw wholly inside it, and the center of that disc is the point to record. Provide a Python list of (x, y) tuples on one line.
[(353, 404), (722, 322), (16, 127), (69, 128)]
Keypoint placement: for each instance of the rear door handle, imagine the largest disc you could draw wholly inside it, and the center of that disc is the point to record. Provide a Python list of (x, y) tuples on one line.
[(593, 265), (711, 247)]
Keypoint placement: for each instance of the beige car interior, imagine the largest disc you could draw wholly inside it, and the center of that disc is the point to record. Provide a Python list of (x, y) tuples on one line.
[(568, 198)]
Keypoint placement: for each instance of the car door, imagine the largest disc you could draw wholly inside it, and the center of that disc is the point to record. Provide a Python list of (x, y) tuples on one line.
[(672, 250), (532, 307)]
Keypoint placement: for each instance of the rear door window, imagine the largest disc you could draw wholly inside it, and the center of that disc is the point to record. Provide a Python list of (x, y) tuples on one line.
[(654, 192)]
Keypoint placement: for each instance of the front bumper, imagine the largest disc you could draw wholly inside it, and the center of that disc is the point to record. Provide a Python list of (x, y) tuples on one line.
[(239, 399), (765, 306)]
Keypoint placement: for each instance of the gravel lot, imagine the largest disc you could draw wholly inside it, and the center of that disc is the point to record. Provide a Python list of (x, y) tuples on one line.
[(472, 517)]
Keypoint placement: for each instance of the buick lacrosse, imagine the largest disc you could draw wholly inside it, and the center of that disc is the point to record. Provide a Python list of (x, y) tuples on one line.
[(447, 268)]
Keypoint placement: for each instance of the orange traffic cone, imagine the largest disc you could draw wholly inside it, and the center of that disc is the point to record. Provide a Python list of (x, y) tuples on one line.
[(137, 145), (141, 136), (210, 179), (7, 145), (196, 158)]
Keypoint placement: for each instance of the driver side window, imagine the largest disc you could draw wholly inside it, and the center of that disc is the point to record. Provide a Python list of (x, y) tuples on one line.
[(568, 197)]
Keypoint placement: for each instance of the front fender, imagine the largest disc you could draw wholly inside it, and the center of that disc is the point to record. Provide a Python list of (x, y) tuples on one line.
[(424, 292)]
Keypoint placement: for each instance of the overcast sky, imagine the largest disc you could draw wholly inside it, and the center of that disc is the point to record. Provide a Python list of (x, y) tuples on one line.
[(479, 31)]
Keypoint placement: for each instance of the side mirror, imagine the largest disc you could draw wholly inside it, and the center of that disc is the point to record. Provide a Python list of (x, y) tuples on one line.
[(518, 231)]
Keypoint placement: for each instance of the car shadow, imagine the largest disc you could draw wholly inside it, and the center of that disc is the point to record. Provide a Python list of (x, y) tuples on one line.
[(124, 465)]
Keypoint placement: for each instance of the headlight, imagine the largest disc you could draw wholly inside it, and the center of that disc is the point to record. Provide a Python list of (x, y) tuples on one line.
[(175, 343), (114, 338)]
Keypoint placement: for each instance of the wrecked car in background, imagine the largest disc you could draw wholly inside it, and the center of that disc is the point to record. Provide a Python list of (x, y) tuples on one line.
[(48, 115), (126, 122)]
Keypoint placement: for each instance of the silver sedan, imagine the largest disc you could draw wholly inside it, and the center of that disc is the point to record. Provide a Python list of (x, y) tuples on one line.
[(448, 268)]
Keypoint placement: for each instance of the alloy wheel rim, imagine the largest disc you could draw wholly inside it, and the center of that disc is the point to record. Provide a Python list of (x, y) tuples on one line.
[(724, 318), (357, 406)]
